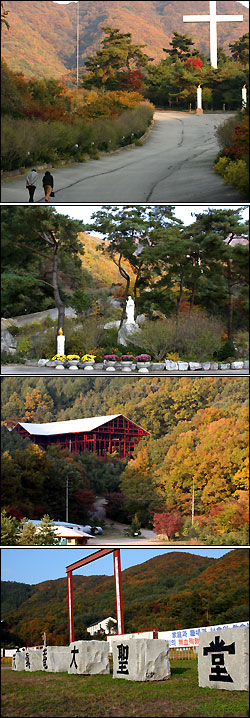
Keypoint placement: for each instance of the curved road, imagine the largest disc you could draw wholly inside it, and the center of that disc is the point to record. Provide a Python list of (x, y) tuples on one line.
[(175, 164)]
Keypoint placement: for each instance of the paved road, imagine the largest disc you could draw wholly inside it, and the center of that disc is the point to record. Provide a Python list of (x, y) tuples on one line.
[(146, 537), (35, 317), (21, 370), (175, 164)]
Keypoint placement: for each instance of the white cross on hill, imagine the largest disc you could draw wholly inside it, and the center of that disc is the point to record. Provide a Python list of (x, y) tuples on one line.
[(213, 19)]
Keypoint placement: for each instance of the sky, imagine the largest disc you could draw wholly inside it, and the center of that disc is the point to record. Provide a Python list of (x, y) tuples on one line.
[(183, 212), (34, 565)]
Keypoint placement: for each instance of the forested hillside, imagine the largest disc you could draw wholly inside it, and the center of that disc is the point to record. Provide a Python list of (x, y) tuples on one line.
[(198, 433), (49, 30), (176, 590)]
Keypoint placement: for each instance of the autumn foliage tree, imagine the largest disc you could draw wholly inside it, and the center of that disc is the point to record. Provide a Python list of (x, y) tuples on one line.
[(167, 524)]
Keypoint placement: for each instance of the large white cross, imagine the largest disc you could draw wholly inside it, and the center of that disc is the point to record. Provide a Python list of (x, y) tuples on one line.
[(213, 19)]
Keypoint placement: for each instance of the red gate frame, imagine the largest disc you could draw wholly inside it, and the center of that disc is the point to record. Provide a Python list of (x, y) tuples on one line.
[(118, 587)]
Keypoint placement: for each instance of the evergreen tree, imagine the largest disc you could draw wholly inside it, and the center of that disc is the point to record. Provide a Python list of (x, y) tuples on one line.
[(29, 259), (180, 48), (133, 232), (217, 231), (115, 61), (240, 49), (9, 526)]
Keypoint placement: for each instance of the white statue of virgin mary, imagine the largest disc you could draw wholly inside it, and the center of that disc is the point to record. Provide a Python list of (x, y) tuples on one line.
[(130, 311)]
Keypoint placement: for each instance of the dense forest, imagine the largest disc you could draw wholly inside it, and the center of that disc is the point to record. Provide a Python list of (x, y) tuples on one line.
[(172, 591), (198, 438)]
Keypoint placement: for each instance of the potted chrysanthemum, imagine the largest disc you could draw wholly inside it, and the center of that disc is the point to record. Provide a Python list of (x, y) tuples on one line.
[(59, 359), (127, 360), (143, 361), (72, 359), (87, 360), (110, 361)]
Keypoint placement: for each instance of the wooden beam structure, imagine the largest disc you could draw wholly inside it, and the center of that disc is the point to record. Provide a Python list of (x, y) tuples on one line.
[(118, 587)]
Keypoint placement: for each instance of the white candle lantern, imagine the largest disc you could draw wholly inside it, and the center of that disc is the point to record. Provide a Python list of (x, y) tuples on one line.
[(199, 100)]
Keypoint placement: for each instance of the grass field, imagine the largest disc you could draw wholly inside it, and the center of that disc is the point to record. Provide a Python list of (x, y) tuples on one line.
[(42, 694)]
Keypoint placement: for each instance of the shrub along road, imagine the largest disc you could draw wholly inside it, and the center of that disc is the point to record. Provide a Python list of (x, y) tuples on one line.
[(175, 164)]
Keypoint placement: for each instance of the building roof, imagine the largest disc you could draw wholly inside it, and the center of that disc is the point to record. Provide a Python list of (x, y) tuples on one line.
[(63, 529), (109, 618), (64, 532), (67, 427), (236, 239)]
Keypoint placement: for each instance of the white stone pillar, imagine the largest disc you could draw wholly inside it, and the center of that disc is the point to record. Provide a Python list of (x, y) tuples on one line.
[(199, 100)]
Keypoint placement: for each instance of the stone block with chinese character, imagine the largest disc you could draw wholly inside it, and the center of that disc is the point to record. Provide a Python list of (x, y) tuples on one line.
[(87, 657), (141, 659), (223, 659), (18, 661), (34, 660), (56, 658)]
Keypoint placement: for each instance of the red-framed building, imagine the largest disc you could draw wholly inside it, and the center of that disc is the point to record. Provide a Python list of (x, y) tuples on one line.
[(99, 434)]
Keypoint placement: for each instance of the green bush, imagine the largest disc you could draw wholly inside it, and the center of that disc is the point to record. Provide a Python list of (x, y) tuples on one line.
[(156, 337), (225, 131), (81, 300), (85, 338), (11, 358), (242, 343), (220, 164), (197, 337), (234, 172), (24, 346), (237, 174), (226, 350)]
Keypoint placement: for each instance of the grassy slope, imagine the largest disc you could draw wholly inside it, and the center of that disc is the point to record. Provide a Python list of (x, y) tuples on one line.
[(39, 694)]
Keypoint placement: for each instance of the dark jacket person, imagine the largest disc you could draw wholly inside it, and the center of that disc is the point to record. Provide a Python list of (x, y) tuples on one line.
[(48, 184)]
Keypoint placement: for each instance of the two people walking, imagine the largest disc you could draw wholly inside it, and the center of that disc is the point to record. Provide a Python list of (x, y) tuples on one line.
[(48, 184)]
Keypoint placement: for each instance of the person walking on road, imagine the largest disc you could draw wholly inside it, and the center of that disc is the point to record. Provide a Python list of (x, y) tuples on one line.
[(48, 184), (31, 181)]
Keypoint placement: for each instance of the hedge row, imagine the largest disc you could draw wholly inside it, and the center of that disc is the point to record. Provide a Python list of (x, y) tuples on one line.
[(26, 142)]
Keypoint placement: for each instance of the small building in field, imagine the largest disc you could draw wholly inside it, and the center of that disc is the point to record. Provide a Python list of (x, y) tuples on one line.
[(104, 626), (100, 435), (68, 534)]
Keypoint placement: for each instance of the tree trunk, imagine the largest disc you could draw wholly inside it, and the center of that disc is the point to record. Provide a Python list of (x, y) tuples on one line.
[(180, 300), (138, 276), (126, 276), (230, 303), (193, 294), (58, 301), (179, 307)]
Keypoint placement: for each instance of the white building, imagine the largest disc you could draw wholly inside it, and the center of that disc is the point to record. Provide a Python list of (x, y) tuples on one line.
[(103, 626)]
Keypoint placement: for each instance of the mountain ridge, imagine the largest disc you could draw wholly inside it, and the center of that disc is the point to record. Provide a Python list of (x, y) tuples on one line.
[(36, 34)]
